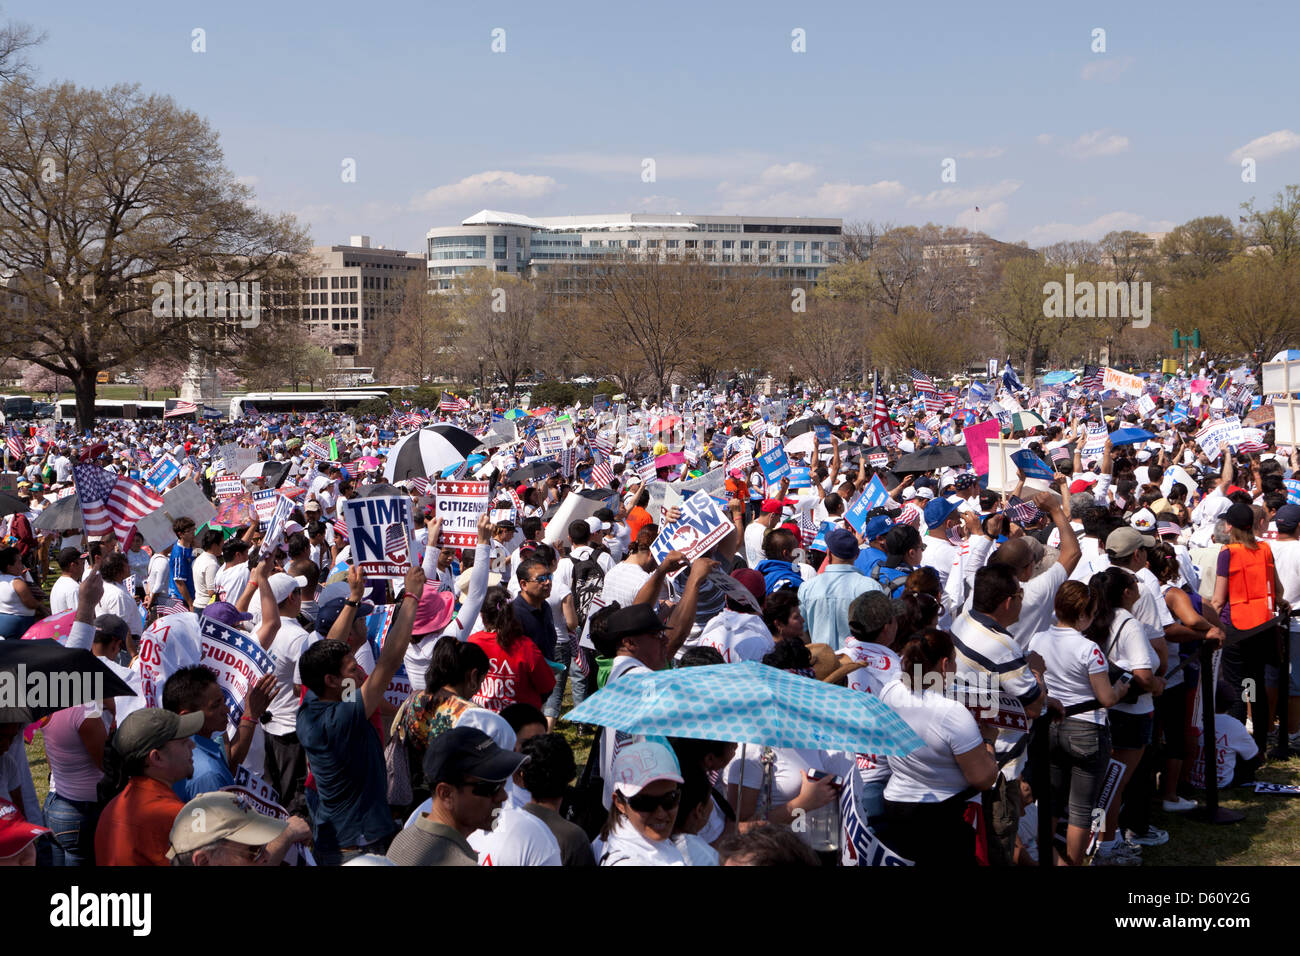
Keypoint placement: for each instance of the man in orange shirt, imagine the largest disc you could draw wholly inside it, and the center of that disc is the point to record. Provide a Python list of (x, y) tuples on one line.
[(156, 752)]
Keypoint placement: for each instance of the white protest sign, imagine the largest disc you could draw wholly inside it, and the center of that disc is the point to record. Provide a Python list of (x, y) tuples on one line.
[(381, 533), (156, 529), (264, 505), (710, 483), (1176, 473), (550, 439), (1094, 445), (167, 645), (238, 661), (1115, 380), (187, 500), (459, 503), (703, 524), (663, 497), (1216, 431), (1146, 405), (228, 486)]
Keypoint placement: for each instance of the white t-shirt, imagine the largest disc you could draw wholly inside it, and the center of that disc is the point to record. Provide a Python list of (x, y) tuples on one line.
[(1130, 649), (117, 601), (1036, 610), (612, 741), (290, 641), (1070, 658), (754, 533), (230, 584), (205, 570), (788, 773), (517, 838), (623, 583), (736, 636), (1286, 560), (1231, 741), (158, 565), (929, 774), (882, 665), (63, 596)]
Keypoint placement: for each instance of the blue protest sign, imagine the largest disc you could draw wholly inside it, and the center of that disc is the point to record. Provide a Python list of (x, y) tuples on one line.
[(161, 472), (774, 464), (873, 496), (800, 476), (823, 434), (1292, 491), (1032, 465)]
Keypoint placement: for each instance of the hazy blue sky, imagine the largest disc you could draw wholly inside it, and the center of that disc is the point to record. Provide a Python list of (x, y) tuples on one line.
[(1051, 140)]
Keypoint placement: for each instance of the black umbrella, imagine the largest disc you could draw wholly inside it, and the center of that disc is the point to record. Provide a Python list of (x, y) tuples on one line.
[(44, 677), (532, 471), (930, 458), (11, 504), (428, 451), (805, 425), (60, 516), (380, 491)]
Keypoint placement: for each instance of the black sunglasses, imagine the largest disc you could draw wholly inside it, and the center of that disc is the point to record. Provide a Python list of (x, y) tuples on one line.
[(484, 788), (644, 803)]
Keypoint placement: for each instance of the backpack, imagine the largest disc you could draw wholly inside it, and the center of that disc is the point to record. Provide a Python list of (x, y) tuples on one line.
[(588, 582), (893, 580)]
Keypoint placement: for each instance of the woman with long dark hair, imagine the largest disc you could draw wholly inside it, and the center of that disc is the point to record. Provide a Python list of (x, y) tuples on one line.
[(925, 799), (1123, 639), (517, 671)]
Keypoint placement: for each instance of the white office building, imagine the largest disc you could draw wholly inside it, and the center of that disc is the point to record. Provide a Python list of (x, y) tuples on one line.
[(796, 249)]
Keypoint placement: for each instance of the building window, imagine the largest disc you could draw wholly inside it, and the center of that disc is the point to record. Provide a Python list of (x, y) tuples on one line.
[(352, 282), (690, 243), (334, 282), (710, 243), (634, 243), (652, 243), (670, 243), (728, 243)]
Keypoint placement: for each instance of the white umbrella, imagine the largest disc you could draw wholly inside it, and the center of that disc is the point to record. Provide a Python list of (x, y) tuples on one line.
[(428, 451)]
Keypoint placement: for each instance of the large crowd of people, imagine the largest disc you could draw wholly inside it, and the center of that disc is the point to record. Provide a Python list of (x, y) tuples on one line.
[(1073, 553)]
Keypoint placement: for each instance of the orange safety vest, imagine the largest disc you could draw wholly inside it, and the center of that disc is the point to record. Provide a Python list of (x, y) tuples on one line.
[(1250, 585)]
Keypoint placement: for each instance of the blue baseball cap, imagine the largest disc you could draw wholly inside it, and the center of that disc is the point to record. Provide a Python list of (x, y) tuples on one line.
[(877, 526), (937, 512)]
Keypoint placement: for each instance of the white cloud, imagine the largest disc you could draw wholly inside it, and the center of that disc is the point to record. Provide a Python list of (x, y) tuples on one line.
[(1049, 233), (1107, 69), (955, 197), (1097, 143), (842, 197), (1043, 139), (989, 217), (1267, 146), (789, 173), (494, 184), (985, 152), (667, 165), (250, 180)]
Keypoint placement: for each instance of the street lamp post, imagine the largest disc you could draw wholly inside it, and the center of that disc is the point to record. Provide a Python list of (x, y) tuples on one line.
[(480, 377), (1194, 340)]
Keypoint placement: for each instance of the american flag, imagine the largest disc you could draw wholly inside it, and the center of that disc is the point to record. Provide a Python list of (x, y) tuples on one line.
[(167, 605), (948, 398), (1059, 453), (419, 485), (316, 449), (646, 468), (923, 383), (396, 545), (180, 408), (531, 446), (410, 421), (1022, 512), (340, 529), (14, 444), (33, 445), (603, 444), (448, 402), (601, 474), (1093, 377), (880, 423), (933, 405), (252, 412), (112, 503)]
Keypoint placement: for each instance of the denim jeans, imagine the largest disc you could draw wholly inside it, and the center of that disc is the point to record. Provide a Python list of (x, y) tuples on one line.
[(563, 651), (584, 685), (72, 825), (13, 626)]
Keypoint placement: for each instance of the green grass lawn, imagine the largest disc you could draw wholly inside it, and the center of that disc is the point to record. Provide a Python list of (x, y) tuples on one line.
[(1268, 836)]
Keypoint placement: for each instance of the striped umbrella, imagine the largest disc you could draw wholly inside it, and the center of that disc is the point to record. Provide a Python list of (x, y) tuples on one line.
[(428, 451)]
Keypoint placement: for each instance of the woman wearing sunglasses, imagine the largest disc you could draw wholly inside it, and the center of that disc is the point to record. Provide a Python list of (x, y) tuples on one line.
[(517, 671), (647, 795)]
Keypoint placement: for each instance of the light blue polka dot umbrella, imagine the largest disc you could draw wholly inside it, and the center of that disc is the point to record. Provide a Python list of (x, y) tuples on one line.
[(748, 703)]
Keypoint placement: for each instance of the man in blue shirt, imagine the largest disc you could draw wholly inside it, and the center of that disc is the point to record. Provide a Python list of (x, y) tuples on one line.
[(825, 599), (874, 554), (180, 571), (333, 725)]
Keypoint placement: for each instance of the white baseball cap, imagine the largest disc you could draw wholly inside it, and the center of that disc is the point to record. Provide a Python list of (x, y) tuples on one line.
[(639, 765), (283, 585)]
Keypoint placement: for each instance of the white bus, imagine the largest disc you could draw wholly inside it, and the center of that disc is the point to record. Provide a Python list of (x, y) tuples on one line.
[(66, 410), (331, 401)]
